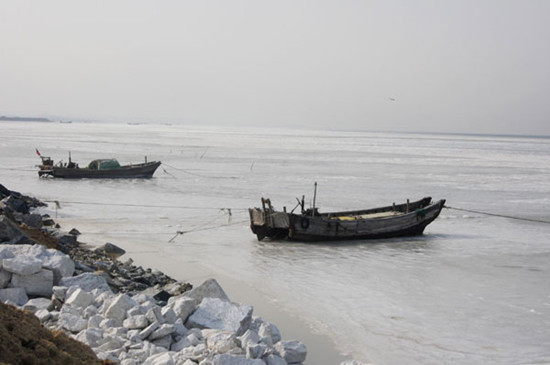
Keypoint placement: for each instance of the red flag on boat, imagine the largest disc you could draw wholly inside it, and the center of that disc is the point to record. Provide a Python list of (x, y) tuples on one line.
[(37, 152)]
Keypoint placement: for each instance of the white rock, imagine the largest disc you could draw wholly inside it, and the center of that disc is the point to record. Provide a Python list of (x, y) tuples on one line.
[(163, 330), (124, 354), (5, 253), (219, 341), (43, 315), (353, 362), (181, 330), (95, 321), (54, 316), (90, 336), (37, 284), (103, 297), (209, 289), (196, 353), (116, 331), (108, 357), (292, 351), (152, 349), (275, 360), (135, 311), (110, 323), (141, 298), (86, 281), (270, 331), (61, 265), (256, 323), (80, 298), (169, 315), (165, 342), (148, 305), (89, 311), (14, 295), (249, 338), (59, 292), (227, 359), (195, 336), (36, 304), (133, 336), (69, 309), (215, 313), (256, 351), (72, 323), (5, 277), (133, 322), (191, 340), (199, 350), (160, 359), (180, 345), (138, 355), (150, 329), (38, 251), (22, 265), (129, 362), (112, 343), (120, 305), (155, 315), (183, 307)]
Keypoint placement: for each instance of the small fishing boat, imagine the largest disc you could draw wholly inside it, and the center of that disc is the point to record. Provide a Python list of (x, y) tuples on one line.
[(407, 219), (97, 169)]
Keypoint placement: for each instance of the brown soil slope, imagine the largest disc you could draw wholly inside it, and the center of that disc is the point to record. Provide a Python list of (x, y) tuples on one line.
[(23, 340)]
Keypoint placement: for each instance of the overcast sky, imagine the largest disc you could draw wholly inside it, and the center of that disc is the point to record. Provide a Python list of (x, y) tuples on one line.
[(468, 66)]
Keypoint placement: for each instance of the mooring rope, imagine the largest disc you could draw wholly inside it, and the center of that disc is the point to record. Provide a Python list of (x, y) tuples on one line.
[(199, 175), (17, 169), (205, 229), (227, 211), (166, 172), (498, 215), (58, 202)]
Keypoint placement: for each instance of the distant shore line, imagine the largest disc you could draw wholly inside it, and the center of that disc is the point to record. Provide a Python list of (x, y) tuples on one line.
[(351, 130), (23, 119)]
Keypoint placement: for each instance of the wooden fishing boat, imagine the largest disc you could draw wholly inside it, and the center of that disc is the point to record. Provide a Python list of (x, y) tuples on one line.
[(407, 219), (97, 169)]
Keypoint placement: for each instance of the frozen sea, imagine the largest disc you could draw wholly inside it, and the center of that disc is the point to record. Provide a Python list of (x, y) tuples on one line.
[(474, 289)]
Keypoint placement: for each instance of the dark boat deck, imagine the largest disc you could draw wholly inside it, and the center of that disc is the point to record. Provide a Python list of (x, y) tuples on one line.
[(72, 171), (407, 219)]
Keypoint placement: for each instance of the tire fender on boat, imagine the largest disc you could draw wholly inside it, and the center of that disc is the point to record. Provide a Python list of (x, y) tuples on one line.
[(304, 223)]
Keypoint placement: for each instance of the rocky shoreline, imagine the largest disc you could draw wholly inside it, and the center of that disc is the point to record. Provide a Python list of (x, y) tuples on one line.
[(126, 314)]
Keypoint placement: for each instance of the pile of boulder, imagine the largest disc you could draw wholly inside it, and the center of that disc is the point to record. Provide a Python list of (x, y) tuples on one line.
[(199, 326), (126, 314)]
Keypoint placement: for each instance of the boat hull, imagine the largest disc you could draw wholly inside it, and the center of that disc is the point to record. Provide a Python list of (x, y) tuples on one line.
[(387, 222), (144, 170)]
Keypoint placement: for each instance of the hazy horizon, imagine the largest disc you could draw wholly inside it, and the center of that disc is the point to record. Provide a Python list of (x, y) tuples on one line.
[(473, 67)]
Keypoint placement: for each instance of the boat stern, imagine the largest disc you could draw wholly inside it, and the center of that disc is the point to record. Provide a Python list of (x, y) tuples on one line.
[(266, 222)]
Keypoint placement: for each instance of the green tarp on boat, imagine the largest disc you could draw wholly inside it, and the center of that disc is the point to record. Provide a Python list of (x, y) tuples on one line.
[(106, 164)]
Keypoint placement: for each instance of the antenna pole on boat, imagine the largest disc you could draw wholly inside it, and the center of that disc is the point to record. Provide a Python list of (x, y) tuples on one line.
[(70, 157), (314, 197)]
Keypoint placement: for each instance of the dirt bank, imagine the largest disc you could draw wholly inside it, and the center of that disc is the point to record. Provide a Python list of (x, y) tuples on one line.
[(23, 340)]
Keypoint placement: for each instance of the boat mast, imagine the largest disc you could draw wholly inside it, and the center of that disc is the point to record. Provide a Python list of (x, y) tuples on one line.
[(314, 198)]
